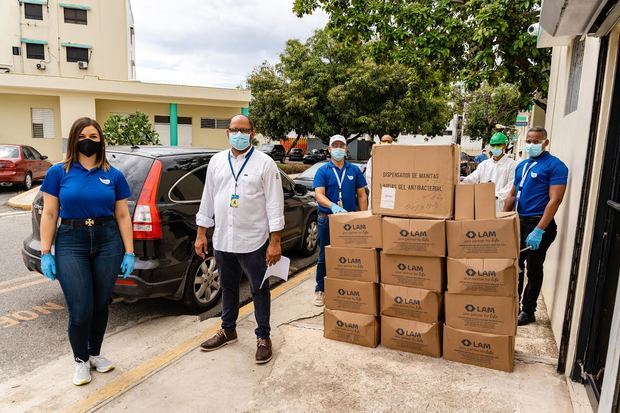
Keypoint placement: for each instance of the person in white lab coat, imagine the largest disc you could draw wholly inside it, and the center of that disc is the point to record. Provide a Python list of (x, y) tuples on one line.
[(385, 140), (499, 169)]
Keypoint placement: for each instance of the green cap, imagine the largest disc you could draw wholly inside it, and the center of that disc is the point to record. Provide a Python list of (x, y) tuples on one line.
[(498, 138)]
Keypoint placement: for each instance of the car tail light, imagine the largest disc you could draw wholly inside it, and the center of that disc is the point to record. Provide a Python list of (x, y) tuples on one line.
[(146, 221), (7, 165), (130, 282)]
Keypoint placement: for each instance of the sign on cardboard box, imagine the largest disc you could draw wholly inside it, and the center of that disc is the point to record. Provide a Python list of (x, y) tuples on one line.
[(419, 237), (486, 238), (411, 303), (355, 229), (482, 276), (357, 264), (481, 313), (417, 272), (411, 336), (415, 181), (479, 349), (354, 296), (360, 329)]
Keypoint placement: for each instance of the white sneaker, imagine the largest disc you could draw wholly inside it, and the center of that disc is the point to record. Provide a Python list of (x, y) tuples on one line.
[(82, 373), (101, 364), (319, 298)]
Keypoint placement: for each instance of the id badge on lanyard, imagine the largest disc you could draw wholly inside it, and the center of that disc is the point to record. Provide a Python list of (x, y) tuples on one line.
[(523, 177), (234, 197), (340, 179)]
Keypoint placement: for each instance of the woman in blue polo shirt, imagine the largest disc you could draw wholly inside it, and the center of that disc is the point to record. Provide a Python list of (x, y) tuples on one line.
[(93, 242)]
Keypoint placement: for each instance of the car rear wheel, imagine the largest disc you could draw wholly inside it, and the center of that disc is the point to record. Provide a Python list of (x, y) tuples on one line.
[(311, 237), (28, 181), (202, 287)]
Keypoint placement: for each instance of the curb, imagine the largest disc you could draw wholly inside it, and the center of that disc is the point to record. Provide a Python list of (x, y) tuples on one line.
[(18, 201)]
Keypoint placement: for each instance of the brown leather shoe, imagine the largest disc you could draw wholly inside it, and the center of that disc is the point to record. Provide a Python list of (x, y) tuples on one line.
[(263, 350), (219, 339)]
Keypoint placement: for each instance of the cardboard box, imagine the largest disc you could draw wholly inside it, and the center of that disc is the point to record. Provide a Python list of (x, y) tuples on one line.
[(464, 201), (357, 264), (483, 276), (360, 329), (419, 237), (355, 229), (352, 296), (485, 200), (479, 349), (484, 314), (486, 238), (415, 181), (411, 336), (411, 303), (417, 272)]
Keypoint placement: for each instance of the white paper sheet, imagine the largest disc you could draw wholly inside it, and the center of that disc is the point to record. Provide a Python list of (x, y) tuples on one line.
[(388, 197), (278, 270)]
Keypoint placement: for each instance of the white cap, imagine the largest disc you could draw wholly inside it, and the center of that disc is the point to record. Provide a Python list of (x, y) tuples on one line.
[(337, 138)]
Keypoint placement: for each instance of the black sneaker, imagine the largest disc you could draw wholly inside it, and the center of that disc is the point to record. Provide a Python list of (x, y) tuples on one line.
[(263, 350), (219, 339), (525, 319)]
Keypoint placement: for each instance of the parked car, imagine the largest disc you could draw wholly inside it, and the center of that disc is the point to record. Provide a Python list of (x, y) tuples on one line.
[(277, 152), (296, 154), (468, 165), (167, 184), (315, 155), (306, 178), (21, 165)]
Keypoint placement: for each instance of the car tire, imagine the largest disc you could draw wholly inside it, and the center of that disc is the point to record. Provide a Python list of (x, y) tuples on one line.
[(310, 239), (202, 285), (27, 181)]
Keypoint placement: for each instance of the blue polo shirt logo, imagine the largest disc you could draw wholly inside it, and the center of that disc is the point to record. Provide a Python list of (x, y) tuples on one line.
[(105, 181)]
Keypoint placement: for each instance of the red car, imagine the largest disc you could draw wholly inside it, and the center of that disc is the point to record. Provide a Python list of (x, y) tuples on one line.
[(21, 164)]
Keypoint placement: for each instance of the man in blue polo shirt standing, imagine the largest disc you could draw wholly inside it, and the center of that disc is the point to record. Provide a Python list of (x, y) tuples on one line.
[(539, 186), (338, 187)]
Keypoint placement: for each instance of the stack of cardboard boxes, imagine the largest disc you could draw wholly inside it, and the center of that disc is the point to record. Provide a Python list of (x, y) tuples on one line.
[(481, 301)]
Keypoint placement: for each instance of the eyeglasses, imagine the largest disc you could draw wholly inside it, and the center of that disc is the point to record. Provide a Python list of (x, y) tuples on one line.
[(242, 130)]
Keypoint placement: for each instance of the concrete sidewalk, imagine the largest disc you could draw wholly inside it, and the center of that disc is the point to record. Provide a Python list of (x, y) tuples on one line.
[(160, 369), (24, 200)]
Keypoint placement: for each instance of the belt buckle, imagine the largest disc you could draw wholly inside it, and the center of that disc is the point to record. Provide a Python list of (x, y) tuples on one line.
[(89, 222)]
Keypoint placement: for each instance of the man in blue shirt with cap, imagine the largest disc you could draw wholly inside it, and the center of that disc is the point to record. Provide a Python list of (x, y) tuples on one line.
[(338, 187), (539, 186)]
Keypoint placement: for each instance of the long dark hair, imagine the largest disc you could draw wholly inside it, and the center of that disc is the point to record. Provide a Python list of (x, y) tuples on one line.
[(74, 137)]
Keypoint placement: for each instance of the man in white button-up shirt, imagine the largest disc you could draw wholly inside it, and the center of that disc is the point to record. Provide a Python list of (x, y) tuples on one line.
[(244, 201)]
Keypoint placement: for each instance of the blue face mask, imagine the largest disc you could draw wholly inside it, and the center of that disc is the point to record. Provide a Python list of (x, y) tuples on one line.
[(497, 151), (533, 149), (239, 141), (338, 154)]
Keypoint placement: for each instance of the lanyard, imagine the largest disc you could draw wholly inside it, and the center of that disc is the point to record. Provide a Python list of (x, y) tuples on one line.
[(523, 177), (340, 179), (236, 177)]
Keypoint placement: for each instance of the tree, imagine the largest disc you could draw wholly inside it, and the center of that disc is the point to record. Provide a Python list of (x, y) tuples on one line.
[(489, 106), (135, 129), (445, 41), (323, 87)]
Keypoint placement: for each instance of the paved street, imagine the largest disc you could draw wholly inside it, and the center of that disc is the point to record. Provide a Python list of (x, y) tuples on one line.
[(6, 193), (32, 314)]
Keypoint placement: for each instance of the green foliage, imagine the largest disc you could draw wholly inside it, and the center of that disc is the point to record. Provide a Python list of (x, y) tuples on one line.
[(323, 87), (443, 41), (489, 106), (135, 129)]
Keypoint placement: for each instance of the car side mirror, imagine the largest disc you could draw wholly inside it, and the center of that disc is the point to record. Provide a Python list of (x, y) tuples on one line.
[(300, 190), (43, 156)]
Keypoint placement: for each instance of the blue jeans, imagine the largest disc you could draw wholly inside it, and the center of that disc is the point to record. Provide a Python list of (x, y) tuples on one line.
[(323, 222), (88, 260), (254, 265)]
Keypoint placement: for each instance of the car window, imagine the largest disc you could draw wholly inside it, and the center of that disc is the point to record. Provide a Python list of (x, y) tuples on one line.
[(287, 184), (189, 188), (310, 172), (134, 168), (9, 152), (36, 153), (27, 154)]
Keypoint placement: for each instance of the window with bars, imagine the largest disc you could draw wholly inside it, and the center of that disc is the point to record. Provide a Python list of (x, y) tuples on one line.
[(574, 76), (181, 120), (75, 16), (77, 54), (43, 123), (33, 11), (210, 123), (35, 51)]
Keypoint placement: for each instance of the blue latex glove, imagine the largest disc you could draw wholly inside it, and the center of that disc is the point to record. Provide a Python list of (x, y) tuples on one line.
[(336, 209), (48, 266), (534, 238), (129, 261)]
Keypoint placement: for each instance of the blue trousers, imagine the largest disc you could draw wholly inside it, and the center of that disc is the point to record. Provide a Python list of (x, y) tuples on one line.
[(323, 222), (231, 267), (88, 261)]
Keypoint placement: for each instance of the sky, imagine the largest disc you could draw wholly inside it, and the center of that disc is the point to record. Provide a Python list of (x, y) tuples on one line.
[(213, 42)]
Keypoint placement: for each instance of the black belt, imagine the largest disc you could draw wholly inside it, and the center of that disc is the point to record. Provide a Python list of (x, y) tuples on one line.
[(86, 222), (534, 218)]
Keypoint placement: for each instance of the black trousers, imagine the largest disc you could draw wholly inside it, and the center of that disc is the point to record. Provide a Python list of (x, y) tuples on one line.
[(533, 261)]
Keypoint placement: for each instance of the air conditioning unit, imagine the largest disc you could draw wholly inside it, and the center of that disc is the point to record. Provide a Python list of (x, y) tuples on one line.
[(82, 65), (41, 66)]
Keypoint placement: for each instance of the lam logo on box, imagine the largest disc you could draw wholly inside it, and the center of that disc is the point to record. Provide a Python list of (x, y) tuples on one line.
[(402, 267), (342, 260), (466, 342), (471, 272), (470, 234), (398, 300), (470, 307), (341, 291), (339, 323), (404, 233), (347, 227), (400, 331)]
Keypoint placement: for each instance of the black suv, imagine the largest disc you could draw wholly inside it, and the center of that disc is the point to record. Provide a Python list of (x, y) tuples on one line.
[(276, 152), (166, 185)]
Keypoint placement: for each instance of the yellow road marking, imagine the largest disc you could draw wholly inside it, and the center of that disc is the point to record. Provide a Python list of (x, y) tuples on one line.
[(132, 378), (20, 286), (19, 279)]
